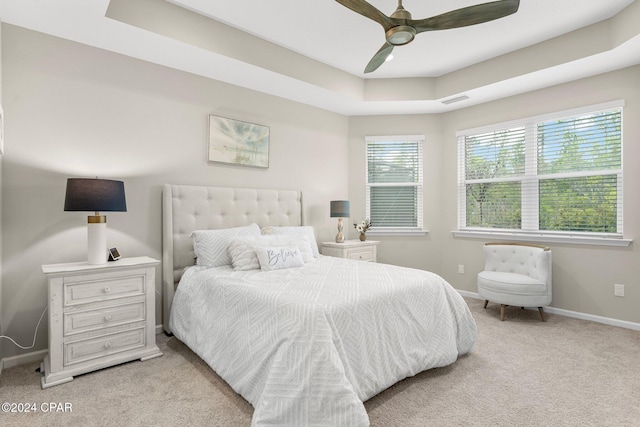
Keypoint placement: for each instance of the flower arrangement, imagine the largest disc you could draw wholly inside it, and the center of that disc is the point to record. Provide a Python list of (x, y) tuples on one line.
[(362, 226)]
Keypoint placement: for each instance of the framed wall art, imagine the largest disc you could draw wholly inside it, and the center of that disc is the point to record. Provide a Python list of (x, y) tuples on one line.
[(238, 143)]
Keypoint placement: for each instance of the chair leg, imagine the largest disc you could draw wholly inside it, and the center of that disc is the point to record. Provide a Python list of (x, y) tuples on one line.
[(502, 306), (485, 303), (541, 313)]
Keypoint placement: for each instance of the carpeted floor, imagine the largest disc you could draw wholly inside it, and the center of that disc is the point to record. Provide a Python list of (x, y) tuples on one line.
[(522, 372)]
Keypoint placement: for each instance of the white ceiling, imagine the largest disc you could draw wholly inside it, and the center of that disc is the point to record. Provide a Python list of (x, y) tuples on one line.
[(328, 33)]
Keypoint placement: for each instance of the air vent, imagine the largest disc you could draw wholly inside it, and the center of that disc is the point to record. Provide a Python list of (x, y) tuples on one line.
[(456, 99)]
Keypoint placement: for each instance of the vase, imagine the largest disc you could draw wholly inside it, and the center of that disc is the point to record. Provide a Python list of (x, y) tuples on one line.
[(363, 237)]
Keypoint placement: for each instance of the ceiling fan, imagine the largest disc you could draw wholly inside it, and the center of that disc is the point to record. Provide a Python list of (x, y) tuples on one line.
[(400, 29)]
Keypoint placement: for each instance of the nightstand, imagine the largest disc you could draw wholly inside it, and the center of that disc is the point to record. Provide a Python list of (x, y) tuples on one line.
[(99, 316), (352, 249)]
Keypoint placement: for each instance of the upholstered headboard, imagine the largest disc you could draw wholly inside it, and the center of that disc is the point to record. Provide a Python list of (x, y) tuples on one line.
[(186, 208)]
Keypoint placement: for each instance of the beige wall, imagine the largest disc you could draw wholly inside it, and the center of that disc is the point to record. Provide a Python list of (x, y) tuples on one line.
[(583, 275), (410, 251), (73, 110)]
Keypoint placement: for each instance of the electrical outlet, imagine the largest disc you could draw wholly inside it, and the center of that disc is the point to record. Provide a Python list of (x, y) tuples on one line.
[(618, 290), (460, 268)]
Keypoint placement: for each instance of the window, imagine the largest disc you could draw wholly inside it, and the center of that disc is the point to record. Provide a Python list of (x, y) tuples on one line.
[(559, 174), (394, 183)]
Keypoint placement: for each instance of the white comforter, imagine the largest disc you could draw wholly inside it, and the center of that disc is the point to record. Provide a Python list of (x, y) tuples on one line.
[(306, 346)]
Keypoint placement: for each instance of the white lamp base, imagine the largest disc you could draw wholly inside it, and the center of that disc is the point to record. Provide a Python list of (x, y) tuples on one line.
[(339, 236), (97, 240)]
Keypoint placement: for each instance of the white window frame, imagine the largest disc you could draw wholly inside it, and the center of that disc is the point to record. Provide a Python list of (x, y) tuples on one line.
[(529, 229), (418, 229)]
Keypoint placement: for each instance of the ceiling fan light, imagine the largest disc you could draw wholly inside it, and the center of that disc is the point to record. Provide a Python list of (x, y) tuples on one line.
[(401, 34)]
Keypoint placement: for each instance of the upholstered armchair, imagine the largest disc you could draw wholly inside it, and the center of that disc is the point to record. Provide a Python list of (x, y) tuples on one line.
[(517, 275)]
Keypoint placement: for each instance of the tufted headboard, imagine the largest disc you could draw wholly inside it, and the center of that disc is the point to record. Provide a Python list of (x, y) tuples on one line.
[(186, 208)]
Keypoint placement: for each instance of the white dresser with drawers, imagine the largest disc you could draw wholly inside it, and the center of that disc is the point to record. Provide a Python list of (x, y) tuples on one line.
[(99, 316), (352, 249)]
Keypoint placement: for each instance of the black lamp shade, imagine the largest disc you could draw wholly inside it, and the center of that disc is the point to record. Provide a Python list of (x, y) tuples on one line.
[(339, 209), (97, 195)]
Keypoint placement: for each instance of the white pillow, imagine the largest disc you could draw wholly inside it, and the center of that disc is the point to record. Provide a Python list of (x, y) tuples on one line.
[(279, 257), (303, 230), (210, 246), (242, 250)]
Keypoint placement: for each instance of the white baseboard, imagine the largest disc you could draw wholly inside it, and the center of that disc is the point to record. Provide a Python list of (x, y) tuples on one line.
[(159, 329), (574, 314), (34, 356), (468, 294)]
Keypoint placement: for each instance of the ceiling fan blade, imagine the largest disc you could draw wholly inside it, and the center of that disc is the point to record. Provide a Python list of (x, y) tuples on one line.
[(379, 58), (467, 16), (369, 11)]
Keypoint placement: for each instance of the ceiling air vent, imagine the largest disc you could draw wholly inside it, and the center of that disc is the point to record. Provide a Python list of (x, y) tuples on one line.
[(456, 99)]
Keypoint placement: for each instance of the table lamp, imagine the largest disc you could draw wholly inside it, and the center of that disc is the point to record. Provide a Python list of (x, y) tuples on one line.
[(95, 195), (340, 209)]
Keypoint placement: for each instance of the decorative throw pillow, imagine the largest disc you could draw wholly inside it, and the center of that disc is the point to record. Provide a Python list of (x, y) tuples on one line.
[(242, 250), (279, 257), (210, 246), (303, 230)]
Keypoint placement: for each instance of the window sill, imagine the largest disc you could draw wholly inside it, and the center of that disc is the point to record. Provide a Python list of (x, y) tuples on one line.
[(541, 238), (398, 232)]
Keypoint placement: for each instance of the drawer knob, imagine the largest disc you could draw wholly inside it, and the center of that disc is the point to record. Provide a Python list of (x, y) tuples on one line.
[(107, 317), (107, 290), (107, 345)]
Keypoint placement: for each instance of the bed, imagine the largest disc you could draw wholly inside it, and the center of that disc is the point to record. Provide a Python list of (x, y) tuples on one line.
[(305, 344)]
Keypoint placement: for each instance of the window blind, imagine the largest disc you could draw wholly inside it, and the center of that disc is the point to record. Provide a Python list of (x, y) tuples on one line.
[(394, 182), (557, 173)]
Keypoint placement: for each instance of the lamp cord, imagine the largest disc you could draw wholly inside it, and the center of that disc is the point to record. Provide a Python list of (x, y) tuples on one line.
[(35, 333)]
